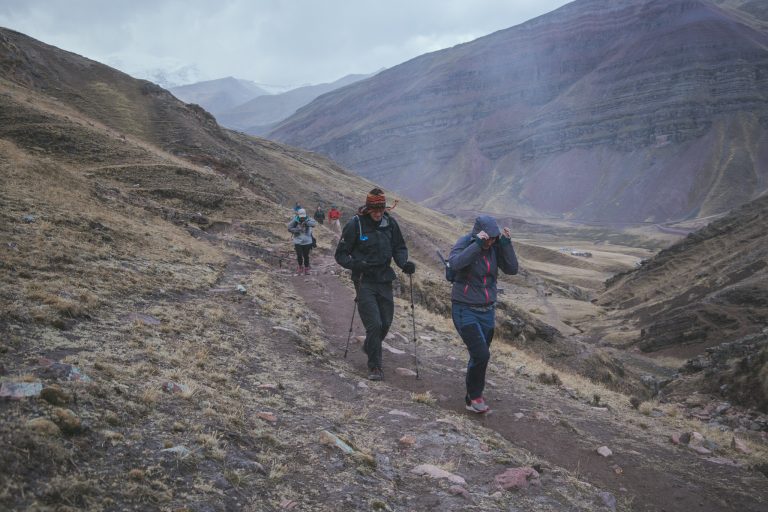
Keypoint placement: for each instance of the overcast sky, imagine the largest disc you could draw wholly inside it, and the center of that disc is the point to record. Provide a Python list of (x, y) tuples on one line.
[(276, 42)]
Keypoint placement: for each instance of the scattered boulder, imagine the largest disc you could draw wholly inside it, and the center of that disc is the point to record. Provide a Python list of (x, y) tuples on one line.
[(61, 371), (740, 446), (405, 372), (701, 450), (407, 441), (457, 490), (435, 472), (394, 350), (332, 440), (17, 390), (516, 479), (604, 451)]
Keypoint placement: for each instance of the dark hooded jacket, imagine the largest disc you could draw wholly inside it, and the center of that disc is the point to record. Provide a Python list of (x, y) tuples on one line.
[(367, 248), (476, 269)]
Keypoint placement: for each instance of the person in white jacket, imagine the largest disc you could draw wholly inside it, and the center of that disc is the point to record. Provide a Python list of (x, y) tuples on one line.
[(301, 227)]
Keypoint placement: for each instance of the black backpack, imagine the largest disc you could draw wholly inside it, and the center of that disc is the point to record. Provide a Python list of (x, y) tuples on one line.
[(450, 274)]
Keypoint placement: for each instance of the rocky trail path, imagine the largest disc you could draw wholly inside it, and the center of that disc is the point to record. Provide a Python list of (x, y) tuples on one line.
[(645, 472)]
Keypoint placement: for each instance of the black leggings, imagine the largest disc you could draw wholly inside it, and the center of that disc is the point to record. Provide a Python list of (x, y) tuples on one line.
[(302, 254)]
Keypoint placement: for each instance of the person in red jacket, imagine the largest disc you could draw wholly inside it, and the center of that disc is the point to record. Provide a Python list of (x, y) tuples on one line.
[(334, 216)]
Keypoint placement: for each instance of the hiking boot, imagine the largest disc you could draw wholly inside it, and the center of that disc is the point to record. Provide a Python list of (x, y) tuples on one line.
[(299, 270), (478, 406), (375, 374), (306, 270)]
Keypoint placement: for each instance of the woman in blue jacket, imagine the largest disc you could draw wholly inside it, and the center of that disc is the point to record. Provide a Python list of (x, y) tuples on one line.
[(476, 258)]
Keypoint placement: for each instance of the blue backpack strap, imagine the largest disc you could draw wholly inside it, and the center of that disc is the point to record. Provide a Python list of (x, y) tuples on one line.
[(362, 237)]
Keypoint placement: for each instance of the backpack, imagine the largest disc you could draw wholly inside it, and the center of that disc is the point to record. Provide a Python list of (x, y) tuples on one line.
[(450, 274)]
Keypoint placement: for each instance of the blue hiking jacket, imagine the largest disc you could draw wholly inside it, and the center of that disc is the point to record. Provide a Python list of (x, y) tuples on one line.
[(477, 269)]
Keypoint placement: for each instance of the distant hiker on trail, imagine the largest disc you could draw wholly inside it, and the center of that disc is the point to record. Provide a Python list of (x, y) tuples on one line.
[(301, 227), (296, 207), (334, 215), (476, 258), (369, 242), (320, 215)]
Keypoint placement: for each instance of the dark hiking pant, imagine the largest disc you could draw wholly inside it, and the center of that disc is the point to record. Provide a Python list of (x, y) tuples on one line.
[(302, 254), (475, 326), (376, 307)]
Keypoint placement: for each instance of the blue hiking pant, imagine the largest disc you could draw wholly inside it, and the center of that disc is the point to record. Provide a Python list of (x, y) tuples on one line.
[(475, 326)]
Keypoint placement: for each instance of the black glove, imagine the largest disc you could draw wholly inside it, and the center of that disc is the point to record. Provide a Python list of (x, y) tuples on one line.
[(409, 267)]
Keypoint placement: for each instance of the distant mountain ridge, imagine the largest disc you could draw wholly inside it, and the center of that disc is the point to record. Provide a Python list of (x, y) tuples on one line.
[(217, 96), (259, 115), (602, 110)]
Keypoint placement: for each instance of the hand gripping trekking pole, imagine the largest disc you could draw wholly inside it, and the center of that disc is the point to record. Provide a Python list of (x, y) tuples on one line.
[(413, 317), (346, 349)]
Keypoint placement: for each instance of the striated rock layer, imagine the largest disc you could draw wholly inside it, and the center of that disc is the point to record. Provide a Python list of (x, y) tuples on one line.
[(621, 110)]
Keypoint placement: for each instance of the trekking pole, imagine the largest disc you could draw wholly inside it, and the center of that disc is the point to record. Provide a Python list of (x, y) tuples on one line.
[(349, 336), (413, 317)]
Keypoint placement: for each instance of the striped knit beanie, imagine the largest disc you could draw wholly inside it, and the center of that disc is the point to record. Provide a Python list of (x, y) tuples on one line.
[(375, 199)]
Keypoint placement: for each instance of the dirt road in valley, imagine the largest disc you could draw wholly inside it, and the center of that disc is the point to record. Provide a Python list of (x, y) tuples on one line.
[(645, 471)]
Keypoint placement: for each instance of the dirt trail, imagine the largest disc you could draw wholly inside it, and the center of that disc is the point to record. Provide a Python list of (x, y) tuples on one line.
[(648, 472)]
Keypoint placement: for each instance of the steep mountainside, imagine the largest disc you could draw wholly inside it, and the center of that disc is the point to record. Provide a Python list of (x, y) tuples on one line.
[(621, 110), (710, 288), (217, 96), (259, 115)]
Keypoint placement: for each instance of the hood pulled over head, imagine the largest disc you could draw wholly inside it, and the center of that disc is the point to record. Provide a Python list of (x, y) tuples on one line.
[(488, 224)]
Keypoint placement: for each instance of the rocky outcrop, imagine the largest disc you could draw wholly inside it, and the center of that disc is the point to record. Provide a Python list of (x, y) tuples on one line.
[(600, 110)]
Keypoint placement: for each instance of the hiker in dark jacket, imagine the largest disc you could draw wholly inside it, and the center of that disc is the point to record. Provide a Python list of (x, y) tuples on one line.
[(369, 242), (476, 258), (320, 215)]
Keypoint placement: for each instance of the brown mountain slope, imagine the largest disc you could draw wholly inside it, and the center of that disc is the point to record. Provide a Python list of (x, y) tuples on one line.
[(705, 298), (602, 110), (710, 288)]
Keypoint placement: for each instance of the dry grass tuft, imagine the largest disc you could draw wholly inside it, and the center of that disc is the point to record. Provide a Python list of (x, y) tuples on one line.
[(424, 398)]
